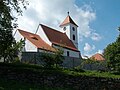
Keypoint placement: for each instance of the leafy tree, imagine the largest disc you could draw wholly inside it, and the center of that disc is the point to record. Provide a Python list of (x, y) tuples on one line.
[(14, 50), (7, 23), (112, 55)]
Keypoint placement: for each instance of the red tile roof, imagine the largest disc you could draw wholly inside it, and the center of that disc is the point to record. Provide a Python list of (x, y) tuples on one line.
[(98, 57), (68, 20), (58, 38), (36, 40)]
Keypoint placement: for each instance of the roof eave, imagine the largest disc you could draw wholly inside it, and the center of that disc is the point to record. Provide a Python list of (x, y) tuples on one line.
[(70, 48)]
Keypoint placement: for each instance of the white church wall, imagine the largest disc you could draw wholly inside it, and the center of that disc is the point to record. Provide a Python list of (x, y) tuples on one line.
[(71, 52), (42, 34), (18, 36), (29, 47)]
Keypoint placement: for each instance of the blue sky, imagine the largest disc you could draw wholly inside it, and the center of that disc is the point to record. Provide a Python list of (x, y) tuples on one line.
[(106, 22), (97, 20)]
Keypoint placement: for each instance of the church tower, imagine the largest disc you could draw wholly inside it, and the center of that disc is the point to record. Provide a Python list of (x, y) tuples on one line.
[(70, 28)]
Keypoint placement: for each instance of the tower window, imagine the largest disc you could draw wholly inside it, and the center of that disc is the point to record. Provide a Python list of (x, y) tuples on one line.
[(73, 28), (64, 28), (68, 53), (73, 37)]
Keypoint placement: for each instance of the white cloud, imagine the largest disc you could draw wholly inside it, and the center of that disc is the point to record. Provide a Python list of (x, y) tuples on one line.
[(95, 36), (100, 51), (88, 47), (88, 50), (52, 13), (87, 55), (48, 12)]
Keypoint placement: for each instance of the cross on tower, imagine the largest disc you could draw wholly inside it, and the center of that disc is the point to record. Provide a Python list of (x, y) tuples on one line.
[(68, 13)]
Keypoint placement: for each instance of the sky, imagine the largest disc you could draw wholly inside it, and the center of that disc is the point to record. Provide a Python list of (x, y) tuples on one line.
[(98, 20)]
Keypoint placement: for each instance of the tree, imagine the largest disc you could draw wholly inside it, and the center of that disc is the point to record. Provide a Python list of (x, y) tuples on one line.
[(7, 23), (14, 50), (112, 55)]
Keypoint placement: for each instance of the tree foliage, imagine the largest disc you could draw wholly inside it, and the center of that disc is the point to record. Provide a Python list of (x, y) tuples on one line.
[(112, 55), (11, 53), (7, 22)]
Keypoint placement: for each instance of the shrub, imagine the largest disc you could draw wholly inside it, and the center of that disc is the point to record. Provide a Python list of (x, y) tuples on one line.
[(52, 59)]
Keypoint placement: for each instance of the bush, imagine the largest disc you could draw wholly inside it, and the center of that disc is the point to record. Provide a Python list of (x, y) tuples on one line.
[(52, 59), (48, 59)]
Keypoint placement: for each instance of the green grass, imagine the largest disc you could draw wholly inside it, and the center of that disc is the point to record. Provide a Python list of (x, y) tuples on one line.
[(14, 85), (92, 74), (36, 68)]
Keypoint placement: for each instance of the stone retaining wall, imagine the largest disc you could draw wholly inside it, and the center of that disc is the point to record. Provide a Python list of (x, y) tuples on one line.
[(54, 79), (34, 57)]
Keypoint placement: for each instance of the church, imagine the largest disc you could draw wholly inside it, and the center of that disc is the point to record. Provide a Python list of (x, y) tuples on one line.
[(48, 39)]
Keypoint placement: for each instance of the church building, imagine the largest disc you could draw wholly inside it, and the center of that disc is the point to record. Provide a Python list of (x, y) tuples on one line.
[(47, 38)]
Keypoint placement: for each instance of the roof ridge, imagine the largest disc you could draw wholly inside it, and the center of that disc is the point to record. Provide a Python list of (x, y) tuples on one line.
[(52, 29)]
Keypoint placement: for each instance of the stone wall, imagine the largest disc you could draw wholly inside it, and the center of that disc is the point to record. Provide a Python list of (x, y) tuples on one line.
[(55, 79), (34, 57)]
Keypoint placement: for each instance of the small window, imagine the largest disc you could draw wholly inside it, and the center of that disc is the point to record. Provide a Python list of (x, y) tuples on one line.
[(73, 37), (64, 28), (34, 38), (68, 53), (73, 28)]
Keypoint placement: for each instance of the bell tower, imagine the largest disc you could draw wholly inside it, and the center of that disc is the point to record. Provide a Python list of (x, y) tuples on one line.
[(69, 27)]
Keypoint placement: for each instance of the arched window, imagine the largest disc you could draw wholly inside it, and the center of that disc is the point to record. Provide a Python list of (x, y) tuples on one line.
[(73, 28), (73, 37)]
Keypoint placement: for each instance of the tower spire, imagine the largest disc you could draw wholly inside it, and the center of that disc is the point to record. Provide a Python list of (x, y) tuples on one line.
[(68, 20)]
